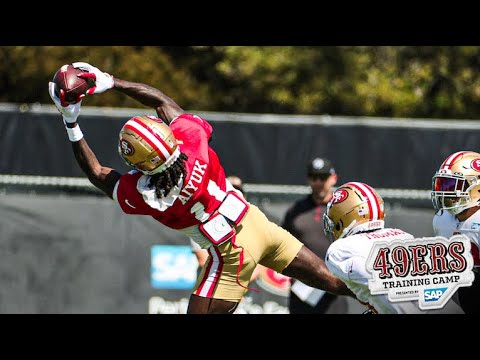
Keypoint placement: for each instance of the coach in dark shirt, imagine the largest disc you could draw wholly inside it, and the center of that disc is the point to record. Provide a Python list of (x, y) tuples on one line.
[(304, 219)]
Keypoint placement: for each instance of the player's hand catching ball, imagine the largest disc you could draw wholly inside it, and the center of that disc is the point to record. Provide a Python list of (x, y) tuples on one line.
[(103, 80), (69, 113)]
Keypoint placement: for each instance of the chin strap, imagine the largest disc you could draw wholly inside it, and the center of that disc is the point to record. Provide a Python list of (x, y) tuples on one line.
[(347, 229)]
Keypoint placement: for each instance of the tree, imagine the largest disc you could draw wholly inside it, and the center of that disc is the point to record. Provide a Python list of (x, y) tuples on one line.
[(388, 81)]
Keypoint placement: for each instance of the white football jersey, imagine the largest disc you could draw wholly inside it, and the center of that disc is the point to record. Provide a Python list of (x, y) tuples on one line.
[(347, 257), (447, 225)]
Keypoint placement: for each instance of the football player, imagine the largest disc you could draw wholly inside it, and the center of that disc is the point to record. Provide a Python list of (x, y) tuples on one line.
[(177, 179), (353, 218), (456, 199)]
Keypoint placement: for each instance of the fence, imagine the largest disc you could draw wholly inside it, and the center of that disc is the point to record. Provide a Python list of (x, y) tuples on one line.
[(65, 248)]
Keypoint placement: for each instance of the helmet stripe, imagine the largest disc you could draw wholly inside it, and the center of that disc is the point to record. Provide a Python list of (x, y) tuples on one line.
[(372, 201), (375, 201), (170, 151), (449, 161), (149, 138)]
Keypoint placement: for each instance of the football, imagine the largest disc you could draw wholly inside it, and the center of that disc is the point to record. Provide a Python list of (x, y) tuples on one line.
[(66, 78)]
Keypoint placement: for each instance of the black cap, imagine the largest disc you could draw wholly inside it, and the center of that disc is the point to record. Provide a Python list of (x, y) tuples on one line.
[(320, 166)]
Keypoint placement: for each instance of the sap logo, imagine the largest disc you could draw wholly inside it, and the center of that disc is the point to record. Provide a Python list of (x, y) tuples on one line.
[(433, 294), (173, 267)]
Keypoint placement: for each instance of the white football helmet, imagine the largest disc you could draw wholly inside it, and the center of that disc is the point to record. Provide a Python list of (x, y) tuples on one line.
[(456, 184), (148, 144), (355, 207)]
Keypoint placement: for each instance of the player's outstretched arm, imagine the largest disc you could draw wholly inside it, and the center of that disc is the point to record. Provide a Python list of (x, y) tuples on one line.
[(312, 271), (166, 108), (102, 177), (333, 284)]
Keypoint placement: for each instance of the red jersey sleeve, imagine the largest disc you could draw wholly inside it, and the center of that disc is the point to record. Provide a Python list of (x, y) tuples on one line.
[(129, 199)]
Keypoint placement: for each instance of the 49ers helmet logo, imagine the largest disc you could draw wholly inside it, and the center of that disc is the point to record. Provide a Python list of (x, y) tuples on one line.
[(127, 148), (475, 164), (339, 196)]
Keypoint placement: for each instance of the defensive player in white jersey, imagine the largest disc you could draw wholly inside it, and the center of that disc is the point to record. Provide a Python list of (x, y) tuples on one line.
[(456, 198), (177, 179), (354, 218)]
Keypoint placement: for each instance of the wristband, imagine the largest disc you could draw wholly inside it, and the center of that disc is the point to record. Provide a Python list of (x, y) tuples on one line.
[(75, 133)]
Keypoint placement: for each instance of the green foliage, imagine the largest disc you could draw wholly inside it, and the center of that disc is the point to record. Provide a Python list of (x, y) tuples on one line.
[(402, 81)]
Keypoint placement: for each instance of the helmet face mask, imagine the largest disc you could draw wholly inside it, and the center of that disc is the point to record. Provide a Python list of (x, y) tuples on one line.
[(456, 185), (355, 207), (328, 226), (147, 144), (450, 193)]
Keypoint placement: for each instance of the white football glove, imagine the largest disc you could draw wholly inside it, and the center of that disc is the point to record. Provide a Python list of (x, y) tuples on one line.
[(69, 113), (103, 80)]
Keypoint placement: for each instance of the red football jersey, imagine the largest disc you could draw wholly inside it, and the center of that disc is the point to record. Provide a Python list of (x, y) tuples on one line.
[(203, 189)]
